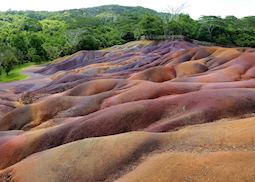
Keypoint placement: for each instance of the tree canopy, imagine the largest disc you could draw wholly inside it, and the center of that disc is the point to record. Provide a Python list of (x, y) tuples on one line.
[(30, 36)]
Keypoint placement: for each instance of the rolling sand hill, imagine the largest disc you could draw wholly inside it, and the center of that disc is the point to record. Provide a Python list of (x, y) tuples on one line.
[(144, 111)]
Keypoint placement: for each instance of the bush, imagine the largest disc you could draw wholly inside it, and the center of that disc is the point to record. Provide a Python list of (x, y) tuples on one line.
[(88, 42), (128, 36)]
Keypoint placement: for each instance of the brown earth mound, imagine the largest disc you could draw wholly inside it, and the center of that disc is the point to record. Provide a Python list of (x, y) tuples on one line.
[(139, 100)]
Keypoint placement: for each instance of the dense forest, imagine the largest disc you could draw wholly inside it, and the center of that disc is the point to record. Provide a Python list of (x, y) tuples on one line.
[(29, 36)]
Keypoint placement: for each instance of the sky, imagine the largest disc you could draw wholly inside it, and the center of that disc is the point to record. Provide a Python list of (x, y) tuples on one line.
[(195, 8)]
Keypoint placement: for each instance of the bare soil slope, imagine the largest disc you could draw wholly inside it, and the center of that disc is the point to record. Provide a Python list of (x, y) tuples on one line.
[(143, 111)]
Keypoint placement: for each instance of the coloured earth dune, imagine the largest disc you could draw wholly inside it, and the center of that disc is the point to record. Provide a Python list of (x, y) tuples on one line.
[(143, 111)]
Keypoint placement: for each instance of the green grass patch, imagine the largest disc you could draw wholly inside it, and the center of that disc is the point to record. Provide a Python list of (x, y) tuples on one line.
[(15, 74)]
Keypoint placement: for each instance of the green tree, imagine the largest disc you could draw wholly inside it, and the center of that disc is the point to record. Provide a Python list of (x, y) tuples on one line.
[(210, 26), (30, 24), (36, 43), (151, 25), (7, 59)]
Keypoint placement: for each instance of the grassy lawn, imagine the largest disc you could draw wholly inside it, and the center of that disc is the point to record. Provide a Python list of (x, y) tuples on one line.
[(15, 73)]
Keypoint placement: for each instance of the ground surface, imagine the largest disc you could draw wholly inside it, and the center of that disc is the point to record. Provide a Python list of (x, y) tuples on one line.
[(144, 111)]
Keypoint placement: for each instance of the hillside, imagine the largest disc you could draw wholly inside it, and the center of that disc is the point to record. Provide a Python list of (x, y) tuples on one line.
[(116, 10), (142, 111)]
